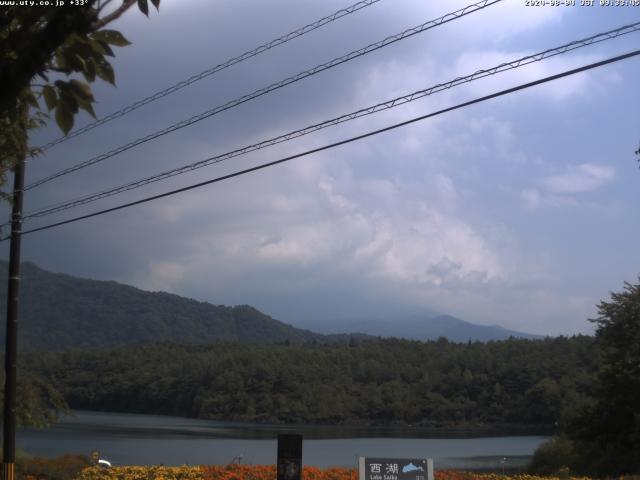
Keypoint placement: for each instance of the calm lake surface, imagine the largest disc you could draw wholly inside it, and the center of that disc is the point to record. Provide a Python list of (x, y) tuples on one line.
[(128, 439)]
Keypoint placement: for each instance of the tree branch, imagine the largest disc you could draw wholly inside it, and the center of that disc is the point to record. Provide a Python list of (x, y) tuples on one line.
[(102, 5), (126, 4)]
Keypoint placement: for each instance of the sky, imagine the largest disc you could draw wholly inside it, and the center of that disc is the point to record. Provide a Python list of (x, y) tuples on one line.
[(520, 211)]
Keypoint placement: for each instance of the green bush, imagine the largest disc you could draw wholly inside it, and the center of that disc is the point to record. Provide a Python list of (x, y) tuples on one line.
[(553, 458)]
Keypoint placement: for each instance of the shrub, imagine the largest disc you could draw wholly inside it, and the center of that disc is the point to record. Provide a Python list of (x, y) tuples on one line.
[(554, 457)]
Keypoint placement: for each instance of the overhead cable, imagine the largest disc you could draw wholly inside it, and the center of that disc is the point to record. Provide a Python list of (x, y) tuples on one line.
[(210, 71), (336, 144), (274, 86), (600, 37)]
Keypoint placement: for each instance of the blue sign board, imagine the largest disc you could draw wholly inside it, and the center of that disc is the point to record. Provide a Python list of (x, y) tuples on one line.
[(395, 468)]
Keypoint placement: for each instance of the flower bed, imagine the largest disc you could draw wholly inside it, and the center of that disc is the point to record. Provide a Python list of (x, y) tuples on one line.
[(268, 472), (142, 473), (457, 475)]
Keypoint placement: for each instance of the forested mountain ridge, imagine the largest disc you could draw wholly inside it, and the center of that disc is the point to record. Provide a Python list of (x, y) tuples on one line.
[(58, 311), (532, 383)]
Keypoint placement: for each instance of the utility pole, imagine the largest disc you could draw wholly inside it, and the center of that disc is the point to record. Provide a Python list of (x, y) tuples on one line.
[(11, 347)]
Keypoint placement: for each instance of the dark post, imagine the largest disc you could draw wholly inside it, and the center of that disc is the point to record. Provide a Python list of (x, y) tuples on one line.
[(11, 349), (289, 457)]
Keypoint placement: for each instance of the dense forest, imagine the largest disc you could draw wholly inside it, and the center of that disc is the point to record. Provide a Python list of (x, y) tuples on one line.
[(507, 383)]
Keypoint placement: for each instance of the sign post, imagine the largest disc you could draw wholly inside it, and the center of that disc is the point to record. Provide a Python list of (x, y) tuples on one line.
[(395, 468), (289, 457)]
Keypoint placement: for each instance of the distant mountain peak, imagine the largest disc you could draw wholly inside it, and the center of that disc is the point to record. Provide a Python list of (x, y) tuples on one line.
[(421, 327)]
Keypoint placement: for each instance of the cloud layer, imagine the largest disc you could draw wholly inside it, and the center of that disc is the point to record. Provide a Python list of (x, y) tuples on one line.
[(448, 215)]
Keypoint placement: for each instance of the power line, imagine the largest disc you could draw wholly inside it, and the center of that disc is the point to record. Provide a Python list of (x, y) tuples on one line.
[(274, 86), (336, 144), (210, 71), (600, 37)]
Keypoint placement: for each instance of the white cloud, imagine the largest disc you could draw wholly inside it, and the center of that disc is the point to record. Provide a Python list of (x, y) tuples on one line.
[(413, 250), (560, 190), (404, 238), (586, 177), (166, 275), (400, 217), (502, 139), (534, 199)]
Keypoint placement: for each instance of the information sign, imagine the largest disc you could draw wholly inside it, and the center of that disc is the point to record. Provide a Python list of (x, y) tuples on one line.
[(395, 468)]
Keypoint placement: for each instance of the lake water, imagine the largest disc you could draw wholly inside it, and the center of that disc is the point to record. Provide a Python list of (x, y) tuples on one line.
[(128, 439)]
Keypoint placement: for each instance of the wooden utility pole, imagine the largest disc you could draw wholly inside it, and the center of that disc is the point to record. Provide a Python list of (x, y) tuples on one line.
[(11, 347)]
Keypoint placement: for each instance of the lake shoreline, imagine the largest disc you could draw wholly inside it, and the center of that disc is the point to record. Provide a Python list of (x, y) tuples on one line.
[(130, 439), (336, 430)]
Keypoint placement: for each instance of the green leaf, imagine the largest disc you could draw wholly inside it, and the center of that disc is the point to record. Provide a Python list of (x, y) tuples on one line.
[(67, 97), (98, 47), (61, 61), (82, 96), (74, 37), (68, 61), (79, 63), (90, 72), (144, 7), (156, 3), (31, 99), (112, 37), (105, 71), (64, 118), (85, 105), (81, 90), (81, 50), (50, 96), (101, 48)]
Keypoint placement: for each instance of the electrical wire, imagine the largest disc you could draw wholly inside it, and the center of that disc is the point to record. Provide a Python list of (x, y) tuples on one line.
[(339, 143), (210, 71), (274, 86), (600, 37)]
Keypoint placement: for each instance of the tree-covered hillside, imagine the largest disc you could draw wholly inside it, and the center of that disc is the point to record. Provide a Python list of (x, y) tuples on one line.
[(603, 438), (60, 311), (514, 382)]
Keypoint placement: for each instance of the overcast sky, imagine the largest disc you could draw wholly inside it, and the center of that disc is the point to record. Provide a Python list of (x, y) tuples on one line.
[(521, 211)]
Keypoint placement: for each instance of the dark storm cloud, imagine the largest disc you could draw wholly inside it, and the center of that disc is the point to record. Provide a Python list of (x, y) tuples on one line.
[(428, 217)]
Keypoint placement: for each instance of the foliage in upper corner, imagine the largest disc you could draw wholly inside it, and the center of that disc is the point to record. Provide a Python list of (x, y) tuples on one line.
[(43, 51), (86, 55)]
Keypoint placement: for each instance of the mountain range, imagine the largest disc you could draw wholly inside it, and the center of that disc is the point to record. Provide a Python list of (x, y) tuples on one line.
[(59, 311), (420, 327)]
